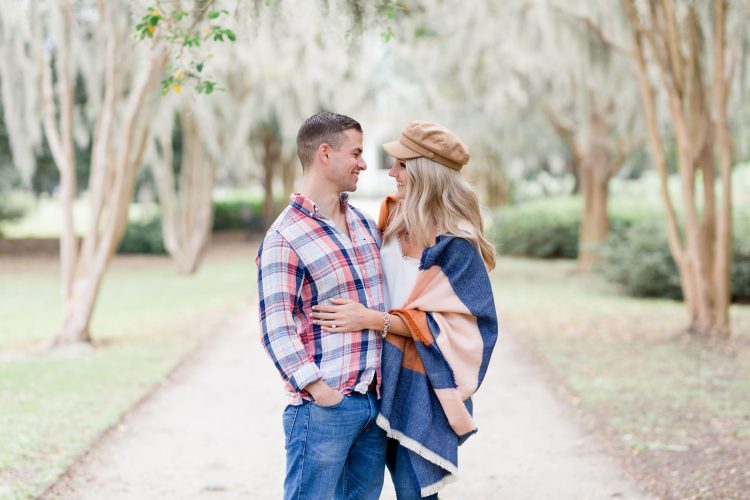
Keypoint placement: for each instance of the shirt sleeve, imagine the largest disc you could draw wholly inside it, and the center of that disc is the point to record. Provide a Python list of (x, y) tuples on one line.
[(280, 277)]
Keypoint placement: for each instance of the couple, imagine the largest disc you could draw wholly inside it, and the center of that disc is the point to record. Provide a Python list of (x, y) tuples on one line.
[(381, 332)]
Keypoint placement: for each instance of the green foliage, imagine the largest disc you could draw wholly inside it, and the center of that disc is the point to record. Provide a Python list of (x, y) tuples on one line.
[(636, 255), (741, 261), (640, 261), (187, 36), (143, 237), (544, 229), (238, 214)]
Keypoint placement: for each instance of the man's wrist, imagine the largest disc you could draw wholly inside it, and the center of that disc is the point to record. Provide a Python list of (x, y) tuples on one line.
[(317, 388)]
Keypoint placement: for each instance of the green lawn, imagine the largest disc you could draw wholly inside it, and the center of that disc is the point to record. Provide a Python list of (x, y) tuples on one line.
[(55, 404), (678, 409)]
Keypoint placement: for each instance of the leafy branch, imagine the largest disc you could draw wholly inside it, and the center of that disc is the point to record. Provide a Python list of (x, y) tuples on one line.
[(181, 28)]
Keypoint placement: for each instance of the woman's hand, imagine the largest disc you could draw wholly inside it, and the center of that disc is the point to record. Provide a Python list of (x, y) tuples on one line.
[(346, 315)]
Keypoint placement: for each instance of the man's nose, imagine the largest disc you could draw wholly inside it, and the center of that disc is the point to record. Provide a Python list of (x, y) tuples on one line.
[(362, 164)]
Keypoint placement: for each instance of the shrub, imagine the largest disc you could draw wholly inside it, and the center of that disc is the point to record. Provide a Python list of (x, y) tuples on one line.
[(741, 261), (543, 229), (639, 259), (143, 237), (242, 214), (234, 214), (10, 210)]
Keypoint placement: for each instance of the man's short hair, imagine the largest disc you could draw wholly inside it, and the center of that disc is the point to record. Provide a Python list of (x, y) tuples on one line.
[(322, 128)]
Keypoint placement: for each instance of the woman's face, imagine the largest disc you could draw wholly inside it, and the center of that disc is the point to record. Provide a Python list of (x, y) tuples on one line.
[(398, 172)]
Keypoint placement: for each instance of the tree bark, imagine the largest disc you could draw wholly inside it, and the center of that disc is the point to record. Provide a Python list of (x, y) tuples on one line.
[(60, 135), (704, 257), (567, 133), (595, 177), (113, 185), (271, 158), (723, 256), (288, 173), (187, 209)]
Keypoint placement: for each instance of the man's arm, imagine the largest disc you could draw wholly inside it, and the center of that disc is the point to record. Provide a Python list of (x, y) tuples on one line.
[(280, 278)]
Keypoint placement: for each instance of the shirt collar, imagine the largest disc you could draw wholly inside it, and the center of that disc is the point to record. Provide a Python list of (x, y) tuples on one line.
[(309, 208)]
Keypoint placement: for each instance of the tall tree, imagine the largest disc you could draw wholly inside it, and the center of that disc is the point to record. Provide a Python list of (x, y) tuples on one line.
[(91, 44), (186, 203), (685, 54), (589, 97)]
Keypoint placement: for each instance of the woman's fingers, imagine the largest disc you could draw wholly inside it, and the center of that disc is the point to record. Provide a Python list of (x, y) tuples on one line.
[(326, 327), (342, 301), (326, 309), (324, 315)]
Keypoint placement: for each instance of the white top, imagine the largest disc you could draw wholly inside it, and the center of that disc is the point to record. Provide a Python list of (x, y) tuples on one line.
[(399, 274)]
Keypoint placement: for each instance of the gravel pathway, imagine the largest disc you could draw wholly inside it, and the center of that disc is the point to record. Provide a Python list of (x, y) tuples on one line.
[(213, 431)]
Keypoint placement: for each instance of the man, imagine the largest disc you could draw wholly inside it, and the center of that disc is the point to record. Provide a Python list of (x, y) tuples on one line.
[(321, 248)]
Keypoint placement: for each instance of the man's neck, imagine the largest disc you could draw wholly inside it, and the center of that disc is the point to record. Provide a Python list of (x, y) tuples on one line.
[(326, 199)]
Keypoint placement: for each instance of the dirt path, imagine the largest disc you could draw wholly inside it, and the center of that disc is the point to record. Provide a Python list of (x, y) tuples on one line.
[(214, 431)]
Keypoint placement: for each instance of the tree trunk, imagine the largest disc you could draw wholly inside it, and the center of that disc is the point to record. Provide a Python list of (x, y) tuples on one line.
[(567, 133), (497, 186), (271, 157), (723, 251), (187, 209), (704, 258), (111, 220), (595, 178), (288, 173)]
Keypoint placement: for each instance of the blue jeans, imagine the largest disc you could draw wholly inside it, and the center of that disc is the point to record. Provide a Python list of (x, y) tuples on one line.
[(334, 451), (404, 482)]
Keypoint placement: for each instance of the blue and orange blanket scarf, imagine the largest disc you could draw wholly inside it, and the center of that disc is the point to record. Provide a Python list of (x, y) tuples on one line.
[(428, 379)]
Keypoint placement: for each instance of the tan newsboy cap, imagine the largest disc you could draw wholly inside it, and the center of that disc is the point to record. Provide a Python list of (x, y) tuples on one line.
[(433, 141)]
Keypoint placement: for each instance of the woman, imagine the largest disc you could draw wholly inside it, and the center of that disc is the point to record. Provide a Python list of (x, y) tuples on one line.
[(441, 326)]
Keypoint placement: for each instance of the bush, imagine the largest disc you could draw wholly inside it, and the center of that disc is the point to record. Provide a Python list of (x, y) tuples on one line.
[(238, 214), (543, 229), (143, 237), (548, 228), (741, 261), (10, 208), (639, 259)]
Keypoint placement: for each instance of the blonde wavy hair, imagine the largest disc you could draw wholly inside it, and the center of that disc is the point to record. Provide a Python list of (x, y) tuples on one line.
[(437, 196)]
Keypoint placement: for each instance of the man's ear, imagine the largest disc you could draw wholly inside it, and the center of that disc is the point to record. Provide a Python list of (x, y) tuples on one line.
[(324, 151)]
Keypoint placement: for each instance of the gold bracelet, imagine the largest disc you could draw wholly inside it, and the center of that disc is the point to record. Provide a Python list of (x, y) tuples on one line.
[(386, 323)]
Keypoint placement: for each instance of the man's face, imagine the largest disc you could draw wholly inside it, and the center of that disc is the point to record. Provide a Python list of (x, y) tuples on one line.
[(346, 163)]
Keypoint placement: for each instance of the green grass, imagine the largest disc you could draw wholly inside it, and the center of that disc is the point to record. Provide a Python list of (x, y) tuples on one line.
[(55, 404), (137, 292), (655, 391), (53, 408)]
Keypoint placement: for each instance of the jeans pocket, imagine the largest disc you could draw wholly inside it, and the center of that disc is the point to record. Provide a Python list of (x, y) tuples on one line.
[(330, 407), (289, 417)]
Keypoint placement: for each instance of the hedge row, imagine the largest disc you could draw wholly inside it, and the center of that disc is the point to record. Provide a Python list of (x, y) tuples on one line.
[(145, 236), (636, 255)]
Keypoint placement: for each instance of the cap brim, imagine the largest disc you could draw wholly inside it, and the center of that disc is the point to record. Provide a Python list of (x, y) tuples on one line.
[(398, 150)]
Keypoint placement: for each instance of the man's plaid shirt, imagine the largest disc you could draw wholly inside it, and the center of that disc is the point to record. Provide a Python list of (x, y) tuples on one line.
[(305, 260)]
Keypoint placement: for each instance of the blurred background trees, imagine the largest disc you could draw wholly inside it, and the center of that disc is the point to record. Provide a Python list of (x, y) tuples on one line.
[(597, 129)]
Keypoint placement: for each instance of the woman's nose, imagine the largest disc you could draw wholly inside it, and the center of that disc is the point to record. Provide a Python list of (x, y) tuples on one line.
[(392, 172)]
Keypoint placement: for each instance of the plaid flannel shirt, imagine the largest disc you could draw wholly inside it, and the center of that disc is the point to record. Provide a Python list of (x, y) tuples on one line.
[(305, 260)]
